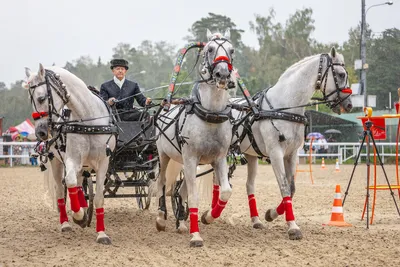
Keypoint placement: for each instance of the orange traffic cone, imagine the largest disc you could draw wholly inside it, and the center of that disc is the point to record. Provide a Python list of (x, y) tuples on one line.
[(337, 218), (323, 164), (337, 168)]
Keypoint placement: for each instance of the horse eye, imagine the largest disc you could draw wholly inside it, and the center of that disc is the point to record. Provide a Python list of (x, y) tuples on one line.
[(210, 49), (342, 75), (232, 51), (41, 99)]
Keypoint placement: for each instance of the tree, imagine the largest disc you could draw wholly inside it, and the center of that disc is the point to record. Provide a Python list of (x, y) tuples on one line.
[(14, 105), (384, 68), (280, 45), (215, 23), (3, 86)]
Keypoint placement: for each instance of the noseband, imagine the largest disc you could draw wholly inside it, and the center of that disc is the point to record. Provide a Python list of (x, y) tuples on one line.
[(323, 78)]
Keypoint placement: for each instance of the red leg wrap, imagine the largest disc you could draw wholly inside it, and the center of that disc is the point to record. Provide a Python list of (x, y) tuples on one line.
[(81, 196), (288, 209), (217, 210), (100, 220), (194, 217), (215, 196), (281, 208), (252, 205), (63, 210), (73, 196)]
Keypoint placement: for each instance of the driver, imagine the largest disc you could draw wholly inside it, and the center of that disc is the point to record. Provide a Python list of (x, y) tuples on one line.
[(120, 88)]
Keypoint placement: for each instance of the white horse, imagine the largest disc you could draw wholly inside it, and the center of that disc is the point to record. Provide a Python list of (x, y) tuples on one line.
[(50, 90), (202, 140), (280, 131)]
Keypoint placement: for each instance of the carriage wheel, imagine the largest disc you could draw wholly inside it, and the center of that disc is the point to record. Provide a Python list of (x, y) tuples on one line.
[(180, 207), (88, 189), (90, 209), (143, 201)]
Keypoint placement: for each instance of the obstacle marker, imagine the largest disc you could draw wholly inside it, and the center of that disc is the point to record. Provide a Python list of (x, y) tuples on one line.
[(337, 167), (337, 217), (323, 164)]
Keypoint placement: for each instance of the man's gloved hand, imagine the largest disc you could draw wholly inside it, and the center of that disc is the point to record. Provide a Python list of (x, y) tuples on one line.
[(111, 101), (148, 101)]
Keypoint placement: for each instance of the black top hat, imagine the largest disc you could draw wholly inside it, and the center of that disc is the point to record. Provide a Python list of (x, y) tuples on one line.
[(119, 63)]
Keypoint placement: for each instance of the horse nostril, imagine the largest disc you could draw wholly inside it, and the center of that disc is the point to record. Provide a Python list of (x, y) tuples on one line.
[(349, 106)]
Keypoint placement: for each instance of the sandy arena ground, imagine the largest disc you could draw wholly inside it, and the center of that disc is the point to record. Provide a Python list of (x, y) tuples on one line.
[(30, 236)]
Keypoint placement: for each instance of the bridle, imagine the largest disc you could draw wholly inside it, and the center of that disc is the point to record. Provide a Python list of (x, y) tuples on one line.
[(52, 81), (323, 78), (209, 65)]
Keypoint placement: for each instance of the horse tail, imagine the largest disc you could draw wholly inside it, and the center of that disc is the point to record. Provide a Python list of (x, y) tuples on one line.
[(49, 187), (205, 182), (173, 170)]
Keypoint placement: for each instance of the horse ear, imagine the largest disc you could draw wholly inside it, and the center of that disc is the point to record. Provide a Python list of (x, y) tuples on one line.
[(28, 72), (209, 34), (41, 71), (333, 52), (227, 34)]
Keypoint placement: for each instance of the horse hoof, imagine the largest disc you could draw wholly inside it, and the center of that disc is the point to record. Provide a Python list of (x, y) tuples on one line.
[(295, 234), (105, 240), (82, 223), (204, 218), (182, 229), (160, 224), (268, 216), (65, 227), (196, 243), (258, 225)]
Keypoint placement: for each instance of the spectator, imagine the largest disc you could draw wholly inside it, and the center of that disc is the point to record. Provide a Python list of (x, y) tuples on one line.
[(322, 147)]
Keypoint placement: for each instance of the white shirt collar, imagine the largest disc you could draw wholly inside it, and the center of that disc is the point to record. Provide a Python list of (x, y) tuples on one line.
[(118, 82)]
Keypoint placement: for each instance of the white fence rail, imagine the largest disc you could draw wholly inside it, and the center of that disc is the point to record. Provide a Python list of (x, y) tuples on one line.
[(349, 151), (17, 153)]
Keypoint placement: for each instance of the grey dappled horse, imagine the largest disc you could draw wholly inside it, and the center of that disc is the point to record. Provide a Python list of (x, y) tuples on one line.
[(52, 89), (205, 142), (294, 88)]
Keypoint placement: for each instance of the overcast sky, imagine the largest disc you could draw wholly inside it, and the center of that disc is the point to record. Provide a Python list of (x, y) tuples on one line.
[(57, 31)]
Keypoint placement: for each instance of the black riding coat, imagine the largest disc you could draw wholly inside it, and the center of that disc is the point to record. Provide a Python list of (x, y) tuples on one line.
[(110, 89)]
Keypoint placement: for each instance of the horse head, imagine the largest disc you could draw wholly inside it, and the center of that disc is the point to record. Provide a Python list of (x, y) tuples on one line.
[(46, 105), (335, 87), (218, 57)]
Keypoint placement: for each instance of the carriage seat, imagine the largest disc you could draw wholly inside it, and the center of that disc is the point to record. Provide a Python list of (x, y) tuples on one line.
[(131, 130)]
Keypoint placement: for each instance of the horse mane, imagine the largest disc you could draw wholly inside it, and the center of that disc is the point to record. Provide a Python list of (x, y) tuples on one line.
[(295, 66)]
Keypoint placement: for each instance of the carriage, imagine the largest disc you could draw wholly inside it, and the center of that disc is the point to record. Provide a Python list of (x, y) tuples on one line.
[(133, 165)]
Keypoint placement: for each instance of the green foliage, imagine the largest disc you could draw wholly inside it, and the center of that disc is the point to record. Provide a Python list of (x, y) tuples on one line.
[(383, 75), (215, 23), (280, 45), (14, 105)]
